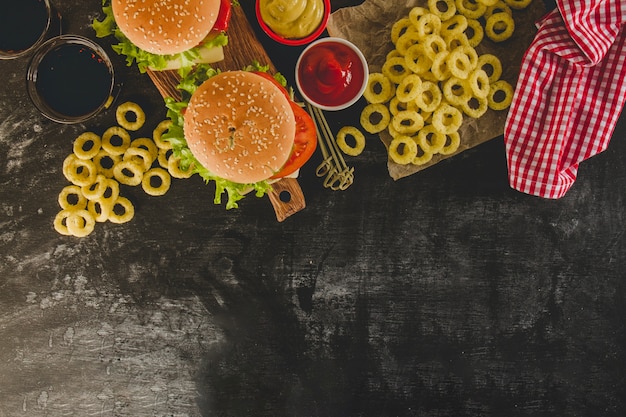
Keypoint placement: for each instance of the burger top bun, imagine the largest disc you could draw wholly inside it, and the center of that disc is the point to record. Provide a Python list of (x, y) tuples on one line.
[(240, 126), (165, 27)]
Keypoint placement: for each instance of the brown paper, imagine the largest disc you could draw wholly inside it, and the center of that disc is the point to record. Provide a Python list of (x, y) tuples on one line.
[(368, 26)]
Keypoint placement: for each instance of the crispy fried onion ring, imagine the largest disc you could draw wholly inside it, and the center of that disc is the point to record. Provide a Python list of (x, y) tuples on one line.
[(379, 88), (87, 145), (128, 172), (447, 119), (71, 197), (500, 95), (122, 211), (357, 138), (375, 117), (499, 27), (115, 140), (79, 172), (402, 149), (407, 122), (162, 179), (74, 222), (129, 108)]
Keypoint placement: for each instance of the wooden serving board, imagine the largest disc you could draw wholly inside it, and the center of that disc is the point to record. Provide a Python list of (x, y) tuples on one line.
[(243, 48)]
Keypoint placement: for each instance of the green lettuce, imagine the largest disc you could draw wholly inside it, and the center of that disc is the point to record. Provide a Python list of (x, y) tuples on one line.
[(108, 27), (176, 136)]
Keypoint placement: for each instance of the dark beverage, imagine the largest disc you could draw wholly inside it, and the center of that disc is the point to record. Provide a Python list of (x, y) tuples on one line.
[(23, 23), (70, 79)]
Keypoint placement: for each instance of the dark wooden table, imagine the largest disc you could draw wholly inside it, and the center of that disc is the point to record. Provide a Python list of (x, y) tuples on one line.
[(442, 294)]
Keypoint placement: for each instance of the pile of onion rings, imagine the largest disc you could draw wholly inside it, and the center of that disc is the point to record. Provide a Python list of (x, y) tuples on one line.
[(434, 77), (99, 165)]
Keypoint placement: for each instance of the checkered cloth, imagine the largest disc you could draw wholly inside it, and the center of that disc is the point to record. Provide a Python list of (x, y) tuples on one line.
[(569, 95)]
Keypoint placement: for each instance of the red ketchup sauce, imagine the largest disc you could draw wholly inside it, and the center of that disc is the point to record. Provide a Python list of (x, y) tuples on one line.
[(331, 74)]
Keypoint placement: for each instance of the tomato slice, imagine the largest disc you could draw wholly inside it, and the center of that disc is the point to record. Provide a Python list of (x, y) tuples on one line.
[(304, 143), (223, 17)]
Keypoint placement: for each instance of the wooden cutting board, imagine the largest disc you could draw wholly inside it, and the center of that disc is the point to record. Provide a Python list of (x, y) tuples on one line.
[(243, 48)]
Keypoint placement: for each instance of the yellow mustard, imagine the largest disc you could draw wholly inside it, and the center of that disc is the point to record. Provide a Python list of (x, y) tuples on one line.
[(292, 19)]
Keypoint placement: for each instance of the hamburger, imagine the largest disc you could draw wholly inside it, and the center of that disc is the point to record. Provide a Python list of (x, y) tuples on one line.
[(242, 130), (166, 34)]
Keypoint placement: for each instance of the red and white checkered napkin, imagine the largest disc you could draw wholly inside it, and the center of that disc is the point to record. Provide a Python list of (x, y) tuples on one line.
[(569, 95)]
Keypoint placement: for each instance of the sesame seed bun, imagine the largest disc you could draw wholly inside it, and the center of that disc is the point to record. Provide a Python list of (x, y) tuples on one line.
[(165, 27), (240, 126)]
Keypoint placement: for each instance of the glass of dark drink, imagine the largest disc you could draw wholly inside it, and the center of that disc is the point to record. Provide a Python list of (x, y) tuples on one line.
[(23, 26), (70, 79)]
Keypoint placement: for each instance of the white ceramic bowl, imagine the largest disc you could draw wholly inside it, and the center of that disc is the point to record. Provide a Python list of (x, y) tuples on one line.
[(350, 94)]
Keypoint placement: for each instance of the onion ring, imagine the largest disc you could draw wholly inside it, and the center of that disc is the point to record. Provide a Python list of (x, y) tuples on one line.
[(111, 193), (415, 13), (497, 89), (407, 40), (127, 209), (455, 24), (491, 65), (139, 155), (493, 24), (121, 115), (429, 96), (157, 134), (399, 28), (428, 24), (80, 223), (395, 69), (402, 149), (176, 170), (422, 157), (447, 119), (99, 209), (440, 68), (377, 110), (71, 197), (379, 88), (407, 122), (453, 141), (459, 63), (147, 144), (128, 172), (418, 59), (409, 88), (430, 139), (112, 148), (105, 162), (474, 32), (356, 135), (475, 106), (479, 83), (450, 8), (79, 172), (96, 189), (471, 9), (164, 179), (87, 145), (60, 222), (456, 91)]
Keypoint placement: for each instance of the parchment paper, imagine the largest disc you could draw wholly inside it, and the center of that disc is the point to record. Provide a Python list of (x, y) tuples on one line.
[(368, 26)]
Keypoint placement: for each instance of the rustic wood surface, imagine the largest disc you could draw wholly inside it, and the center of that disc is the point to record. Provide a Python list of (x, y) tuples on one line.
[(442, 294)]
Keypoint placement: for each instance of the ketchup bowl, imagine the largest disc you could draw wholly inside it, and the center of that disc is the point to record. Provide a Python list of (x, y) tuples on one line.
[(269, 19), (331, 73)]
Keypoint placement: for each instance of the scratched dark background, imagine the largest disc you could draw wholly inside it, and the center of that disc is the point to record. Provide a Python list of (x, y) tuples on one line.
[(442, 294)]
